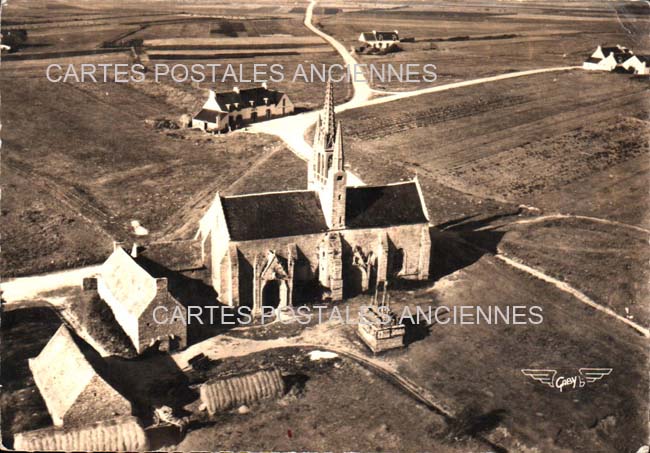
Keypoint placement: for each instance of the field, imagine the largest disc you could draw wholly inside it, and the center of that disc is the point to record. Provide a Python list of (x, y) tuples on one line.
[(478, 366), (92, 177), (532, 140), (489, 39)]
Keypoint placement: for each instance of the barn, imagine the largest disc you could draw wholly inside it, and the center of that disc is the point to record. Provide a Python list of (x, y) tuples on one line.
[(74, 392)]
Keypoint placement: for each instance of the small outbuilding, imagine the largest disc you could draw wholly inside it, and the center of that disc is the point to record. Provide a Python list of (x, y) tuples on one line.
[(74, 392), (141, 303)]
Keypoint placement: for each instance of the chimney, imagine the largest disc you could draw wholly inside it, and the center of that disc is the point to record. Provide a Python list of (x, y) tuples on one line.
[(235, 89), (266, 101), (134, 250), (265, 85)]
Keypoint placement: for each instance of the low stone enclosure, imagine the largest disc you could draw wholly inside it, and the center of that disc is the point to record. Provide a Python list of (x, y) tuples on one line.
[(120, 434), (226, 393)]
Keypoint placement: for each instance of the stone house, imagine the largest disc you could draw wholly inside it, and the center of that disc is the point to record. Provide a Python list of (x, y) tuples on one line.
[(74, 392), (380, 39), (234, 109), (135, 295), (277, 248)]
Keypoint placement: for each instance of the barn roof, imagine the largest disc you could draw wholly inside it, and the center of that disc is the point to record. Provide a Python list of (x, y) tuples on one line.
[(130, 285), (61, 372), (209, 116), (382, 206), (243, 97), (273, 214)]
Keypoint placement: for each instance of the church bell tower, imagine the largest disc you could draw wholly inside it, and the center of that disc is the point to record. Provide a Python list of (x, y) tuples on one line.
[(326, 173)]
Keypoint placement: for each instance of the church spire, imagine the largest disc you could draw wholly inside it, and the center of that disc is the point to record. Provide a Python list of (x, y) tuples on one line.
[(328, 117), (338, 161)]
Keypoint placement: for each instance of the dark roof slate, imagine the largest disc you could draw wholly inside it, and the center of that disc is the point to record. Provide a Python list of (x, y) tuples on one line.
[(209, 116), (381, 206), (270, 215), (244, 97), (380, 36)]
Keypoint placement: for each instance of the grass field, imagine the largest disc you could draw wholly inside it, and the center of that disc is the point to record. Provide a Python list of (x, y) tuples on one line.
[(479, 366), (93, 176), (532, 140), (489, 39)]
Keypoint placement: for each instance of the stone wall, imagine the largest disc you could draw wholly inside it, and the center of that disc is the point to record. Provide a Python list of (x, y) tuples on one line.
[(98, 401)]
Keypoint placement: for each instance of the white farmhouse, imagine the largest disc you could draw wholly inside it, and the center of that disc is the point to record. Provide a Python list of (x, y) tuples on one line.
[(637, 64), (380, 39), (607, 58), (234, 109), (603, 64)]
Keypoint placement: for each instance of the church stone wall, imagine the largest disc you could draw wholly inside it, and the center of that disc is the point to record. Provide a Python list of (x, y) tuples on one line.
[(404, 237)]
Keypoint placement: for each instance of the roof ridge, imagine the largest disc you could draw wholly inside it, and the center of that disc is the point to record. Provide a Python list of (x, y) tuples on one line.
[(268, 193)]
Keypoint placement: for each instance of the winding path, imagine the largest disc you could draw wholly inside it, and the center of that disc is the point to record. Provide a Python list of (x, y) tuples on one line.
[(574, 292), (24, 288), (546, 218)]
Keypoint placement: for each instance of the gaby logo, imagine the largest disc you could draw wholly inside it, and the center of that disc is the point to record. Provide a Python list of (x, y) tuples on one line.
[(585, 376)]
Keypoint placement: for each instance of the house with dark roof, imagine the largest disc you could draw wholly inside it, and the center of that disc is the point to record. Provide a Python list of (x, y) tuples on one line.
[(226, 111), (637, 64), (71, 386), (275, 249), (379, 39)]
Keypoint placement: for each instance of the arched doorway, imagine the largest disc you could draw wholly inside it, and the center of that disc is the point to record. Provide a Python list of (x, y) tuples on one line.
[(271, 294)]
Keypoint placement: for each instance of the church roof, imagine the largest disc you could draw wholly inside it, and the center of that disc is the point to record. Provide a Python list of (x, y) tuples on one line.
[(382, 206), (61, 372), (274, 214), (243, 97)]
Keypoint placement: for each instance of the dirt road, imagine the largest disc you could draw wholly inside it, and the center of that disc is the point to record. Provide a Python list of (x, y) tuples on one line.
[(292, 129), (24, 288)]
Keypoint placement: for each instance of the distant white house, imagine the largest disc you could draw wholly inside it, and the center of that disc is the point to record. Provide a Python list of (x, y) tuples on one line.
[(234, 109), (607, 58), (638, 64), (600, 64), (380, 39)]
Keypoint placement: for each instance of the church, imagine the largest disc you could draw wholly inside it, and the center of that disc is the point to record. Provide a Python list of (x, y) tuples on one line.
[(329, 241)]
